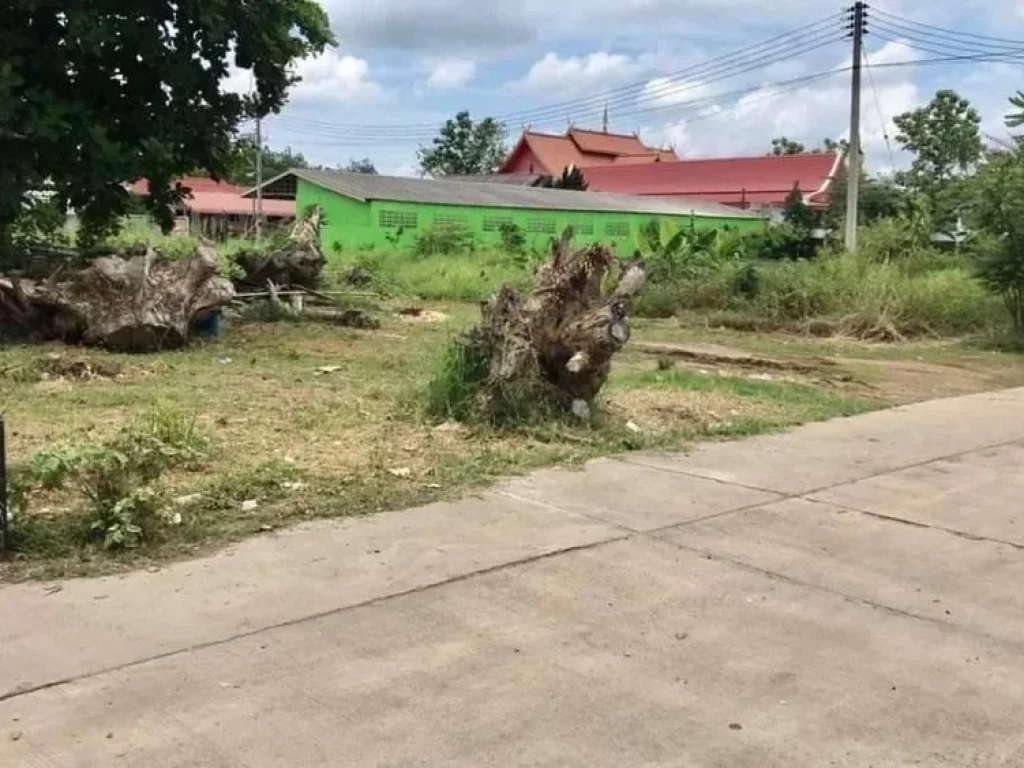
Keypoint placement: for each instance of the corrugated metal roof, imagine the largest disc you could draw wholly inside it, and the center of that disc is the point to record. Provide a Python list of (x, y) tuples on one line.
[(367, 186)]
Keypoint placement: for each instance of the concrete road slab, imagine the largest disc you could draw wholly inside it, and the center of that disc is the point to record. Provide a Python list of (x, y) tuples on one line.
[(94, 624), (927, 572), (635, 498), (631, 653), (825, 454), (980, 493)]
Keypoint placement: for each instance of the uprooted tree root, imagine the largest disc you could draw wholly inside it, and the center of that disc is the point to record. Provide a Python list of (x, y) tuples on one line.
[(551, 351), (139, 304)]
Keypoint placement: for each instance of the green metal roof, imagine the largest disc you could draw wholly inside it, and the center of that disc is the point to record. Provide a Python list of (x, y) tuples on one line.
[(368, 186)]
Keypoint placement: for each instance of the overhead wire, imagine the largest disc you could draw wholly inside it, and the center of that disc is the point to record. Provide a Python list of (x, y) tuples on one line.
[(882, 123), (877, 11), (781, 47)]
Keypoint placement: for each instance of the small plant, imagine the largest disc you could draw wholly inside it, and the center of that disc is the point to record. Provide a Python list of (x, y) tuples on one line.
[(50, 469), (747, 282), (444, 239), (513, 239), (463, 370), (131, 522)]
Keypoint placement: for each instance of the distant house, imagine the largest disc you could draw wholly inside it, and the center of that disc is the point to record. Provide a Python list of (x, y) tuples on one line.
[(550, 154), (750, 183), (217, 210)]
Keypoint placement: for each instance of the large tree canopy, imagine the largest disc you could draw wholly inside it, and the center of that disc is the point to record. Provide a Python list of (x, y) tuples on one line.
[(95, 93), (465, 147)]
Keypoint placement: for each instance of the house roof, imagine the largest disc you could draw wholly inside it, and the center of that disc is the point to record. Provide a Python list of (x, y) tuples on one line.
[(210, 197), (366, 187), (756, 180), (585, 149)]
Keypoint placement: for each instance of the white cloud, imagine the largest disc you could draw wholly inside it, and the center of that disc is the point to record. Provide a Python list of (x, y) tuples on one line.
[(451, 74), (808, 114), (332, 77), (668, 91), (574, 75)]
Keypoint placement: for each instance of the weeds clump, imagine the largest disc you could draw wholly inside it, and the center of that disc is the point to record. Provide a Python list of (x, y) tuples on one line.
[(121, 508)]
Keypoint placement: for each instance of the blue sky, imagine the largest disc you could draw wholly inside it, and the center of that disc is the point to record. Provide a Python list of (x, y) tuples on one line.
[(403, 66)]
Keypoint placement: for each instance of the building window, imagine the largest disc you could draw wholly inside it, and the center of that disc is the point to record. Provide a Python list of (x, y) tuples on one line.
[(450, 221), (585, 228), (396, 219), (541, 226), (617, 229), (495, 223)]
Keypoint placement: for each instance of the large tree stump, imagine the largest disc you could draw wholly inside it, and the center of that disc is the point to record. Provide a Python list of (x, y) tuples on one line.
[(558, 343), (298, 263), (140, 304)]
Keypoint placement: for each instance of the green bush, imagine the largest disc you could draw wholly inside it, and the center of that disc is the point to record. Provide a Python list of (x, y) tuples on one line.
[(444, 240), (115, 478), (463, 370)]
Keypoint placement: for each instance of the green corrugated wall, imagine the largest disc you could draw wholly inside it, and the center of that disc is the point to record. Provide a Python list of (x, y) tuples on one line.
[(353, 225)]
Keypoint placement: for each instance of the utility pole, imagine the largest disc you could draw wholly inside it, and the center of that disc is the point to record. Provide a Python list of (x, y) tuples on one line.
[(259, 178), (853, 159), (604, 119)]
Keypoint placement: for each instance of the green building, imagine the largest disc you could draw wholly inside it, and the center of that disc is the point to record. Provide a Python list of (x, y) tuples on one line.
[(366, 210)]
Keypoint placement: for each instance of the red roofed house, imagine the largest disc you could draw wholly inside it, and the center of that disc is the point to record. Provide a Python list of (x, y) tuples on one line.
[(751, 183), (550, 154), (216, 209)]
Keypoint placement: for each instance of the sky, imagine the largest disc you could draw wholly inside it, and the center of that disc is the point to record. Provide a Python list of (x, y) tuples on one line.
[(401, 67)]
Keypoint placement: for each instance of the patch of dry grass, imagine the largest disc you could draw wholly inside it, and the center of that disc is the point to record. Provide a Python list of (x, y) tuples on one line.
[(318, 421)]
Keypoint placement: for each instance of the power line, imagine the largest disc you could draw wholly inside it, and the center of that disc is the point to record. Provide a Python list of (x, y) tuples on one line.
[(878, 108), (957, 33), (770, 51), (936, 43), (947, 54), (638, 107)]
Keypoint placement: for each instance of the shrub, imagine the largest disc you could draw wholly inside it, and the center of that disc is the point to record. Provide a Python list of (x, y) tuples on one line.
[(463, 370), (443, 240), (512, 238), (115, 477)]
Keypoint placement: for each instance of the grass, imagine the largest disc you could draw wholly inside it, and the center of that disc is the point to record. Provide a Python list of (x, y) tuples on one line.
[(304, 444)]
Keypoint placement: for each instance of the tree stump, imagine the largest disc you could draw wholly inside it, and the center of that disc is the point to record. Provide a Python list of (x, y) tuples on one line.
[(558, 343), (141, 304), (298, 263)]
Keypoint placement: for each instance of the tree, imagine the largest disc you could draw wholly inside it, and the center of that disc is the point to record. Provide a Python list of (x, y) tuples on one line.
[(571, 178), (797, 213), (93, 95), (945, 138), (831, 146), (465, 147), (1000, 214), (1016, 119), (783, 146), (240, 162), (361, 166), (880, 198)]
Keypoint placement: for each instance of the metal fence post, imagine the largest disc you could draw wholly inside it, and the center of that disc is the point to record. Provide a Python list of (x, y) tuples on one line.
[(4, 522)]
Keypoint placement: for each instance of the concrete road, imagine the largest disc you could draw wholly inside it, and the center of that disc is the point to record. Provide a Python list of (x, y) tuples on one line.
[(848, 594)]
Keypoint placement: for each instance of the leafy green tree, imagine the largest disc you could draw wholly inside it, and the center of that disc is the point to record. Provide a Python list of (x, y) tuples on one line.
[(240, 162), (783, 146), (999, 212), (880, 198), (465, 147), (1016, 119), (571, 178), (95, 94), (831, 146), (798, 213), (946, 141), (361, 166)]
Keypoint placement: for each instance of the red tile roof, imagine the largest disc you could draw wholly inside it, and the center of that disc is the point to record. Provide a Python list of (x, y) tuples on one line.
[(733, 181), (551, 154), (210, 197)]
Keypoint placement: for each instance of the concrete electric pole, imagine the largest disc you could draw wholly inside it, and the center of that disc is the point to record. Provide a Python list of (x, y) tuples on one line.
[(853, 159)]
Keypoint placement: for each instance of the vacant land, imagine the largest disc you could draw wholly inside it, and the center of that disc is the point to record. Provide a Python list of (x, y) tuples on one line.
[(310, 420)]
